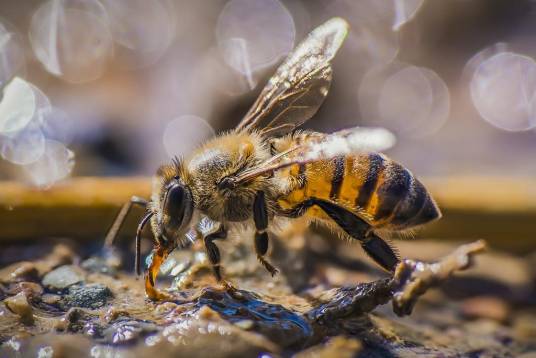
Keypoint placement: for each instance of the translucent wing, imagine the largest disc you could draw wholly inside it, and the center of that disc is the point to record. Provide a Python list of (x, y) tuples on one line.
[(324, 147), (300, 84)]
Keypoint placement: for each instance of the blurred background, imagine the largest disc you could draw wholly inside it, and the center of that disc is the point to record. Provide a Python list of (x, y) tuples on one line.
[(111, 89), (116, 87)]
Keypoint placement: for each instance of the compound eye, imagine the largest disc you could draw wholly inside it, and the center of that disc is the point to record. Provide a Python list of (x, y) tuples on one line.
[(174, 202)]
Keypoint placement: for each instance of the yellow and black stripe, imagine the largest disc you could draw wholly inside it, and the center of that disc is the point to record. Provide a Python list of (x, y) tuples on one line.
[(371, 185)]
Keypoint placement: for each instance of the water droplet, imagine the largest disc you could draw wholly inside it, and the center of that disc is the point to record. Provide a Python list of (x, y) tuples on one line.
[(45, 352)]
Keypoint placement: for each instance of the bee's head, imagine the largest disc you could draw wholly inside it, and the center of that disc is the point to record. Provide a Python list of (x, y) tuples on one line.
[(176, 206)]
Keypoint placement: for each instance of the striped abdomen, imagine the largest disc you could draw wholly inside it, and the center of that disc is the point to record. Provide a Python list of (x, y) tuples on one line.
[(379, 190)]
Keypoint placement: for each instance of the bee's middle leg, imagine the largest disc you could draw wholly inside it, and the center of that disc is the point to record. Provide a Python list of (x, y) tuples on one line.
[(260, 216), (212, 250)]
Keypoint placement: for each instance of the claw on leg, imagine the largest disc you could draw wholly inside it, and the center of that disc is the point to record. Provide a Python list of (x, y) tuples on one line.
[(268, 266), (228, 286)]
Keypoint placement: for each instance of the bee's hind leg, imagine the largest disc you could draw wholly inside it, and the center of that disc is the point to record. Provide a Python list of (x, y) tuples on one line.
[(377, 248), (380, 251), (260, 216)]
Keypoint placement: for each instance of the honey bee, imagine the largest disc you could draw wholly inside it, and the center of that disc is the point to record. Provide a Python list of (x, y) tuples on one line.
[(266, 169)]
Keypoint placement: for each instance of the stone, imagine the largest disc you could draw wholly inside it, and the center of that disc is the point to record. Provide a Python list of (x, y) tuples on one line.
[(91, 296), (19, 305), (20, 271), (63, 277), (245, 324), (50, 299), (343, 347), (30, 289), (125, 331), (99, 264)]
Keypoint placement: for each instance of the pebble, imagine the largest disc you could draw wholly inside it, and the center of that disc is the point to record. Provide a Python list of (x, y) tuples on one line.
[(21, 271), (112, 314), (63, 277), (165, 307), (19, 305), (339, 346), (205, 312), (50, 299), (30, 289), (87, 296), (99, 265), (127, 331), (75, 320), (245, 324)]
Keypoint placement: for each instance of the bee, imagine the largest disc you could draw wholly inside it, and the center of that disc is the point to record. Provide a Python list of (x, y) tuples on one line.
[(266, 169)]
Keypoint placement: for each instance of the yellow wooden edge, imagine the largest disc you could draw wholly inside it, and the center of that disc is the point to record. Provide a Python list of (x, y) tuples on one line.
[(483, 194)]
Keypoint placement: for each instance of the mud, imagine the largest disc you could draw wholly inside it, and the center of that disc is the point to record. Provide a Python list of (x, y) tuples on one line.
[(77, 301)]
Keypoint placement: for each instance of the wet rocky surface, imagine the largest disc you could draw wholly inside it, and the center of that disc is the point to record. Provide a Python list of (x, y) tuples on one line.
[(328, 301)]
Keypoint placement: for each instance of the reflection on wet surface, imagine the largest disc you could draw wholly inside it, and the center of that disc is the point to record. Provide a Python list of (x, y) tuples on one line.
[(55, 302)]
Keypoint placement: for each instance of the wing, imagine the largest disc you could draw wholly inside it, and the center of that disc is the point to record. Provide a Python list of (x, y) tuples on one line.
[(300, 84), (324, 147)]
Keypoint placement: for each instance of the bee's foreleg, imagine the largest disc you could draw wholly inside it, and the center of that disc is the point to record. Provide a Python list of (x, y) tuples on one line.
[(377, 248), (212, 250), (120, 219), (260, 216)]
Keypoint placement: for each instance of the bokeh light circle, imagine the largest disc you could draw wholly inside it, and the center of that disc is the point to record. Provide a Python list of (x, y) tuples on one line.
[(25, 146), (481, 56), (254, 34), (440, 110), (371, 37), (33, 133), (55, 164), (406, 99), (56, 125), (143, 28), (503, 90), (72, 39), (17, 107), (405, 11), (185, 133), (412, 101), (12, 59)]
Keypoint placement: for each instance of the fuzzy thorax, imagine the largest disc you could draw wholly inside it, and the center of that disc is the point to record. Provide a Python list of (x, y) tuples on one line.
[(209, 172)]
